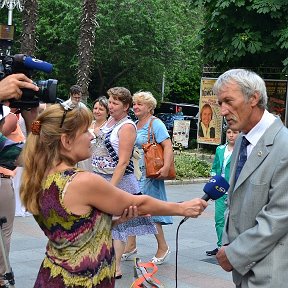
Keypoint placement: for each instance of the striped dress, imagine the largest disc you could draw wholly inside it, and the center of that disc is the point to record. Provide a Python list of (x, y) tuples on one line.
[(79, 252)]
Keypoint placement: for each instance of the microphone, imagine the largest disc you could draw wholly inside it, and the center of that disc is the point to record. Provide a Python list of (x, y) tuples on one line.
[(215, 188), (33, 63)]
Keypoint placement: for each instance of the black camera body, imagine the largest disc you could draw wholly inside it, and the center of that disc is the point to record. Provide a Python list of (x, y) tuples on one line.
[(21, 63)]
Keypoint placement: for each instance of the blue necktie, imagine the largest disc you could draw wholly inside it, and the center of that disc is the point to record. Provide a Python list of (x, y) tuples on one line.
[(242, 156)]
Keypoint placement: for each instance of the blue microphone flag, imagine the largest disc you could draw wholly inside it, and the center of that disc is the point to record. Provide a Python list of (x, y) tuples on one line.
[(33, 63), (216, 187)]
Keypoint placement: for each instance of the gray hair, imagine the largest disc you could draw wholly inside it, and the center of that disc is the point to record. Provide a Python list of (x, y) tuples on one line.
[(248, 81)]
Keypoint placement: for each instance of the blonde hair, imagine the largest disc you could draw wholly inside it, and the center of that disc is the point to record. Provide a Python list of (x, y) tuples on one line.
[(42, 151), (146, 98)]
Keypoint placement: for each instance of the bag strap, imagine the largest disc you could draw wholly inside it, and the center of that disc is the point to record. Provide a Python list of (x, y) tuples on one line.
[(130, 167), (151, 128)]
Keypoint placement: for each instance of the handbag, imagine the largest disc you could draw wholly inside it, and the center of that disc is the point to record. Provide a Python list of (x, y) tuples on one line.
[(136, 156), (154, 157)]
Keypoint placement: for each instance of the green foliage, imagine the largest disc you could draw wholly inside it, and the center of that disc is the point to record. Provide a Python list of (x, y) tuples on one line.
[(57, 40), (136, 42), (249, 33), (57, 35), (189, 167)]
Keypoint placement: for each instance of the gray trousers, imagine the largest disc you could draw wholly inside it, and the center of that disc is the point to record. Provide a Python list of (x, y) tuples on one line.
[(7, 209)]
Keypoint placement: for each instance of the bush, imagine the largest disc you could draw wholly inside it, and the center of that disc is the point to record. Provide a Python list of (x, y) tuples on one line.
[(188, 166)]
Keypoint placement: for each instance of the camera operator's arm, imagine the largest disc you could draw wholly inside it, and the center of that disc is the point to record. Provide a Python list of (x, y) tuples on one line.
[(29, 116), (10, 86)]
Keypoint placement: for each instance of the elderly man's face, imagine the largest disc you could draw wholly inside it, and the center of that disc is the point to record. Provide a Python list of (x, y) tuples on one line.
[(237, 110)]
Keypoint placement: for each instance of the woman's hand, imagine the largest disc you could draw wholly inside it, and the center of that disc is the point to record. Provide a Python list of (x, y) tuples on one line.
[(127, 214), (194, 208), (163, 173)]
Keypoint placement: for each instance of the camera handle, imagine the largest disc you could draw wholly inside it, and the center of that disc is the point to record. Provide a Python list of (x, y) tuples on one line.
[(9, 275)]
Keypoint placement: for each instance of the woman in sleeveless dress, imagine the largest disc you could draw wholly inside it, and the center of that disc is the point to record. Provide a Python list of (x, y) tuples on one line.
[(112, 159), (74, 207)]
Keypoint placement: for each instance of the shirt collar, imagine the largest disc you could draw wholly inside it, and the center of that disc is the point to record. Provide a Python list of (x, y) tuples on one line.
[(259, 129)]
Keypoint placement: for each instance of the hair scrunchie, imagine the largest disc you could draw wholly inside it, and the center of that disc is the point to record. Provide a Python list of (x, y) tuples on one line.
[(36, 127)]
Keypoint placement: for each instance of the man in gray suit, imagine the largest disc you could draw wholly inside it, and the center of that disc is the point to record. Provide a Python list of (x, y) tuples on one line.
[(255, 235)]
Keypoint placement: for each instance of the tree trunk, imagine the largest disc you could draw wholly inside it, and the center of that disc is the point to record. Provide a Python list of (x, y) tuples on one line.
[(86, 45), (29, 19)]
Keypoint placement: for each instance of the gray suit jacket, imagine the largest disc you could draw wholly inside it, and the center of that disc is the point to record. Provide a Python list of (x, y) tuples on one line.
[(256, 227)]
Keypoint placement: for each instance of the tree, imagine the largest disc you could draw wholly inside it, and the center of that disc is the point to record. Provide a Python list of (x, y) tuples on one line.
[(58, 33), (86, 44), (135, 43), (29, 20), (245, 33), (138, 41)]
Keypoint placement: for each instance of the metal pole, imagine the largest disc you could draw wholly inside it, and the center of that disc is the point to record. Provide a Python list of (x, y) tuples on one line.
[(10, 13), (163, 87), (11, 4)]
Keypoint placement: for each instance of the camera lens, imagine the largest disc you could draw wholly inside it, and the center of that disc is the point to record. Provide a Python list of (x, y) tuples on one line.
[(47, 90)]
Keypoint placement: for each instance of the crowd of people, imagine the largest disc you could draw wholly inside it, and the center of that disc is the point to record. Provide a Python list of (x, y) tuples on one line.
[(86, 198), (88, 224)]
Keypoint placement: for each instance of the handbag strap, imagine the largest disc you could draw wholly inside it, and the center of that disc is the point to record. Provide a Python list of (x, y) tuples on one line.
[(151, 128)]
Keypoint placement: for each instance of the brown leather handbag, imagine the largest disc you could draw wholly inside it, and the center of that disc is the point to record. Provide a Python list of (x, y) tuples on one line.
[(154, 157)]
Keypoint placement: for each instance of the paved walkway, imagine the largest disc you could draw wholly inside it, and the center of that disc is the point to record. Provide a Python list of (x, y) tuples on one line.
[(195, 269)]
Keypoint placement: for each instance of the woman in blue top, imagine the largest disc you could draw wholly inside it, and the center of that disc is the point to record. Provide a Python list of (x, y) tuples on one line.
[(143, 105)]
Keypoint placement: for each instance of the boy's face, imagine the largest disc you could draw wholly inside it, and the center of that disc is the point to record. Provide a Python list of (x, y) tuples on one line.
[(76, 98)]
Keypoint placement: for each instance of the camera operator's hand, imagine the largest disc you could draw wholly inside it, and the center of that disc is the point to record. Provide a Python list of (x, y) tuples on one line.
[(10, 86)]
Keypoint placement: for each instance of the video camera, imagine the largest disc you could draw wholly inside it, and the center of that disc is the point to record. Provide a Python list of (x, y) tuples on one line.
[(21, 63)]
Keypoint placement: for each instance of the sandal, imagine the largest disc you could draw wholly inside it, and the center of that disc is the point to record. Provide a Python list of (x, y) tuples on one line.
[(126, 256)]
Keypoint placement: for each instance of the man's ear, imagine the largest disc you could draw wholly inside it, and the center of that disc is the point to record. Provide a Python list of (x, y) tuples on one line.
[(254, 99), (66, 142)]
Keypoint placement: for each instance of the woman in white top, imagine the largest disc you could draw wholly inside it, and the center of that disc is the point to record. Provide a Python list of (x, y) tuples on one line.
[(112, 153)]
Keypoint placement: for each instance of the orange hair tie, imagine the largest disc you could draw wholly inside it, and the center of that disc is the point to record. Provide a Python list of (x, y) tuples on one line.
[(36, 127)]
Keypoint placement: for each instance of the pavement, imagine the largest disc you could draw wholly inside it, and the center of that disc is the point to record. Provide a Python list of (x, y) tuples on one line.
[(194, 268)]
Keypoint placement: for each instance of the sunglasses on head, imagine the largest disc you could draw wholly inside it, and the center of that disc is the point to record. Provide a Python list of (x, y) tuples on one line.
[(66, 109)]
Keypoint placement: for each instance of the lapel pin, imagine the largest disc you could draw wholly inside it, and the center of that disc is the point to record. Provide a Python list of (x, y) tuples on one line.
[(259, 153)]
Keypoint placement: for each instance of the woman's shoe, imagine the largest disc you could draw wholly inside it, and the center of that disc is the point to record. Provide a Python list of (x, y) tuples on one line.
[(126, 256), (159, 261), (118, 276)]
